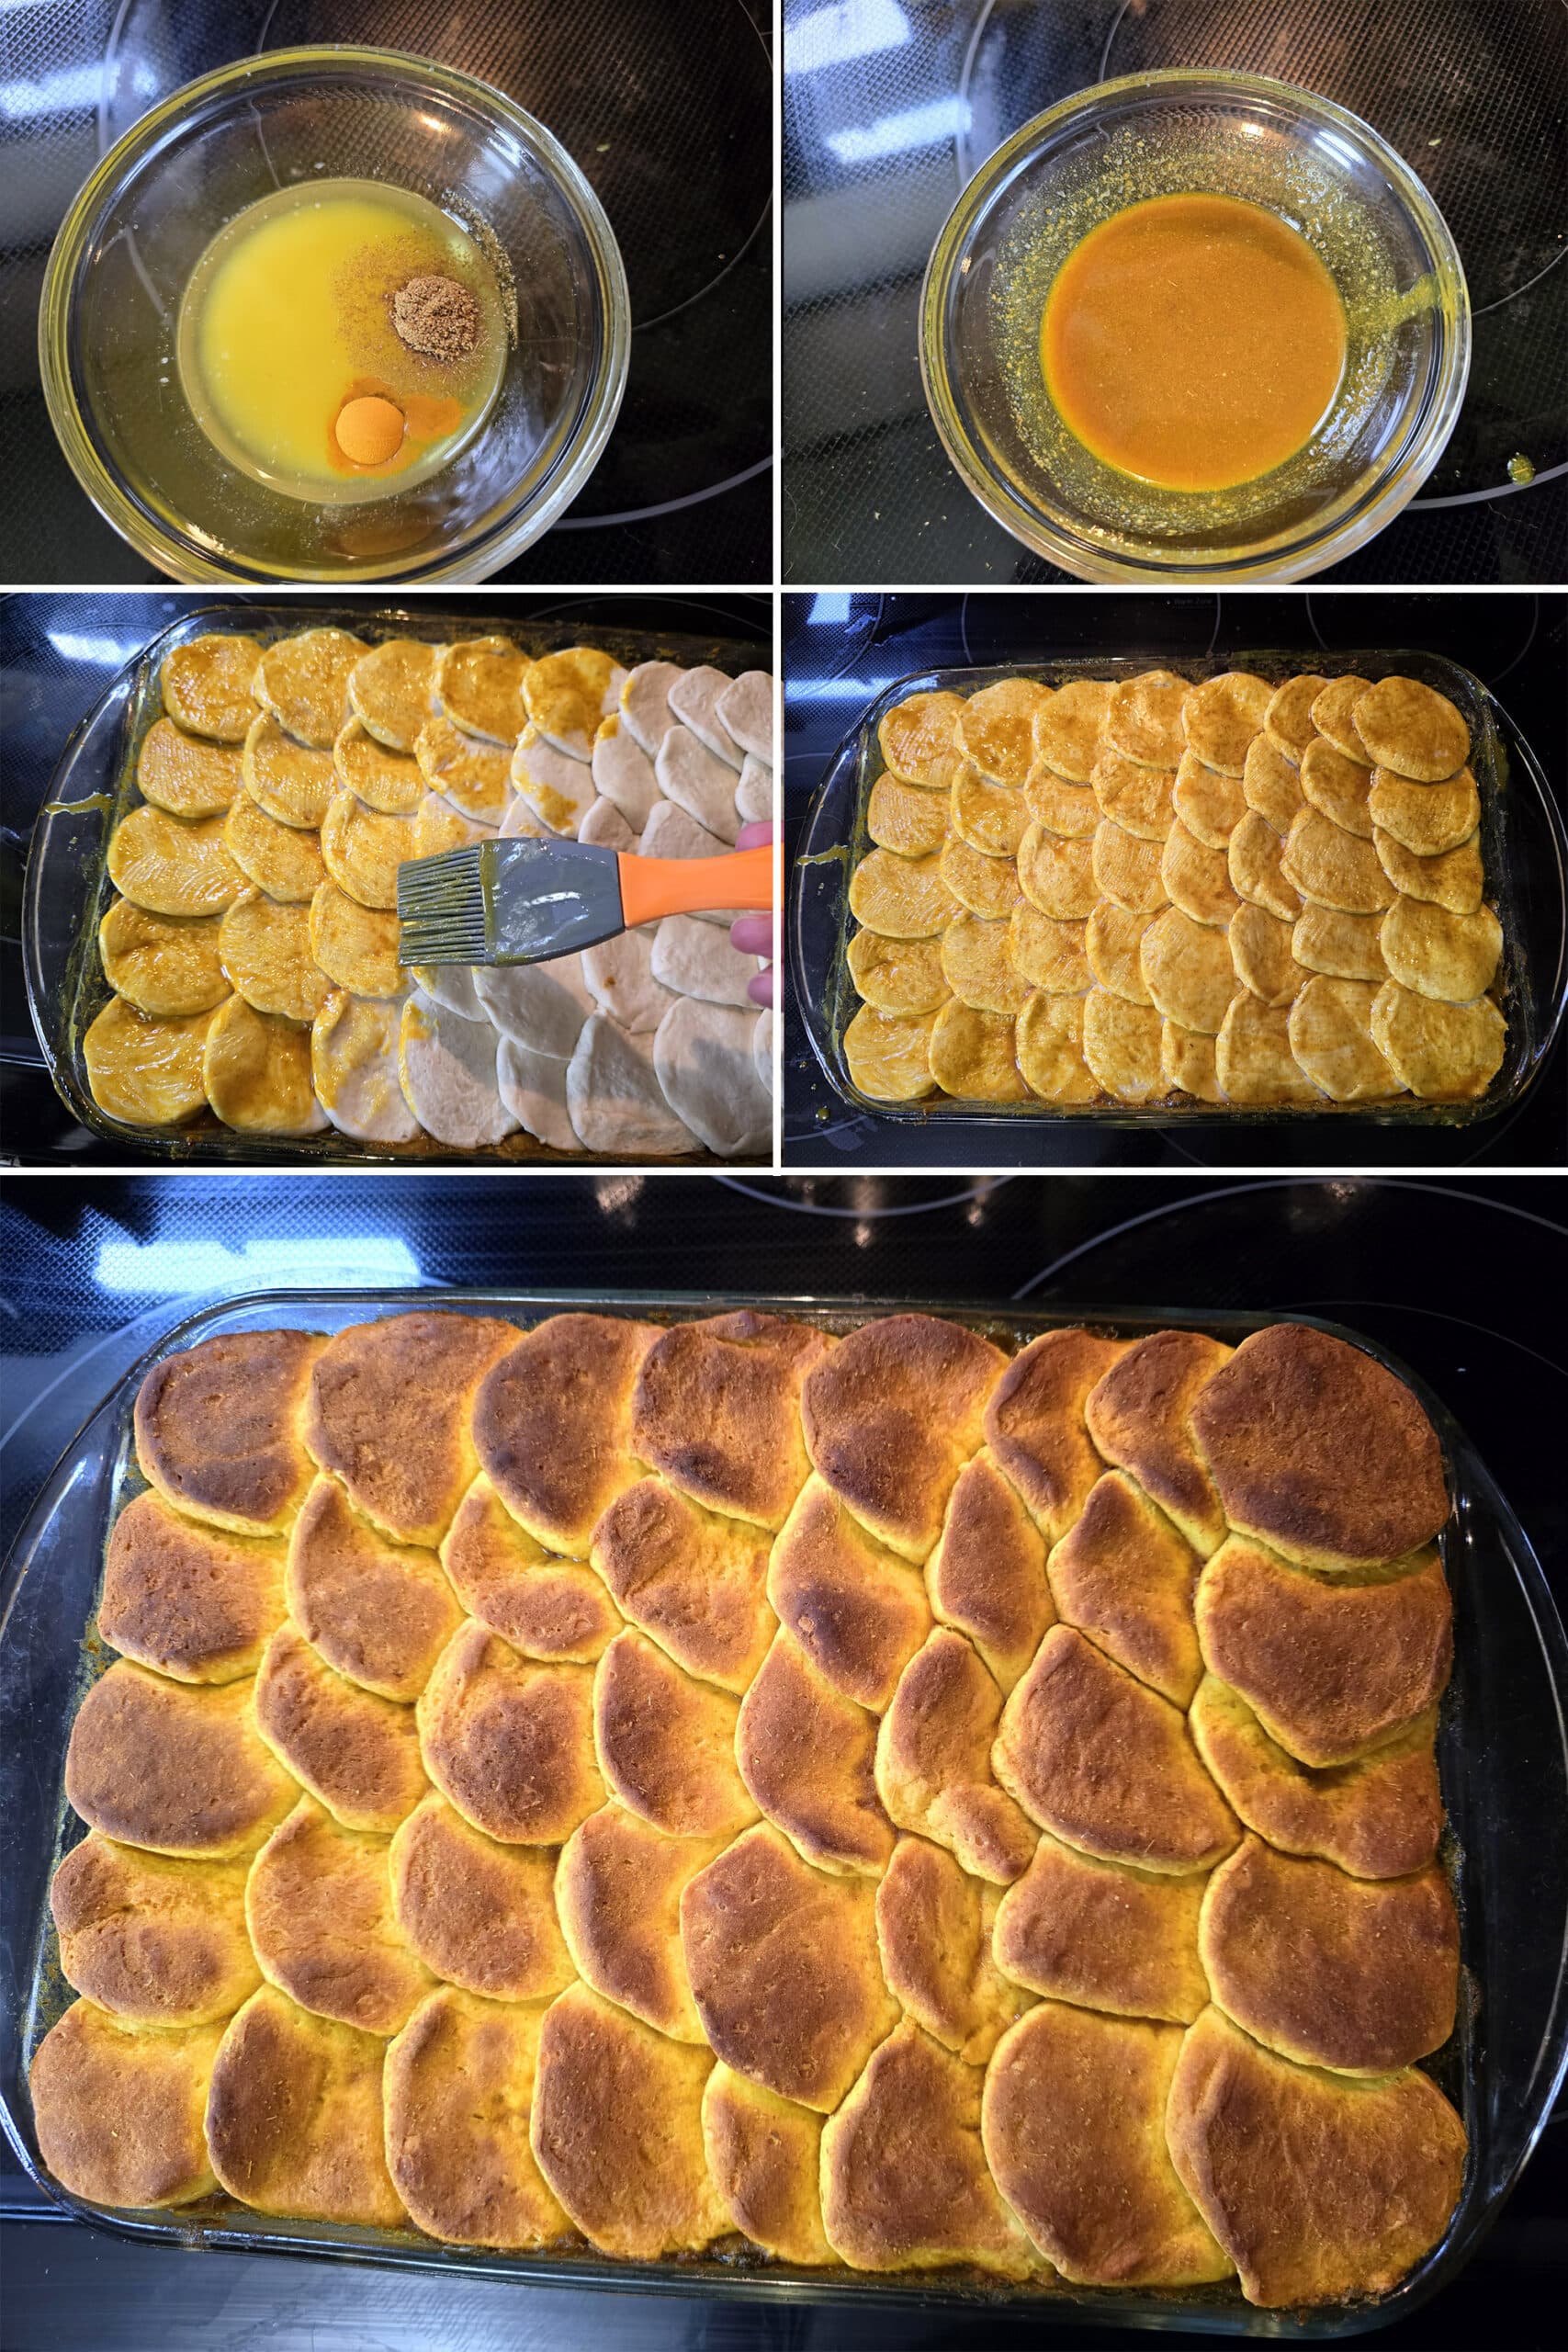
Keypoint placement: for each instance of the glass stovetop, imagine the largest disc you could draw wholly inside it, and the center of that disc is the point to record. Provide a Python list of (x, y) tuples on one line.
[(841, 650), (892, 106), (668, 109), (1462, 1281)]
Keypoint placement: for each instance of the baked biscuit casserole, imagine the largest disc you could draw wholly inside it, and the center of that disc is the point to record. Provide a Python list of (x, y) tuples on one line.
[(877, 1801)]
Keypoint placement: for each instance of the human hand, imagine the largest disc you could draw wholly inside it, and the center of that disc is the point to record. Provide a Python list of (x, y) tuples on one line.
[(754, 935)]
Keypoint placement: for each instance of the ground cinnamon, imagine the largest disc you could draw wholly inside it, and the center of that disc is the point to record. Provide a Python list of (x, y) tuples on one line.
[(437, 316)]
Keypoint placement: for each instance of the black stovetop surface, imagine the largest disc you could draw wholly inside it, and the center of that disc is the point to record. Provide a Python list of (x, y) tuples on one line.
[(667, 111), (841, 650), (95, 1270)]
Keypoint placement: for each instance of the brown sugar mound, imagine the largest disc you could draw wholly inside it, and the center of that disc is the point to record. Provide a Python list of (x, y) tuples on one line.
[(437, 316)]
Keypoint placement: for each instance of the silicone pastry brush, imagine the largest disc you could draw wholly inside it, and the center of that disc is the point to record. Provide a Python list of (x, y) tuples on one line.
[(524, 901)]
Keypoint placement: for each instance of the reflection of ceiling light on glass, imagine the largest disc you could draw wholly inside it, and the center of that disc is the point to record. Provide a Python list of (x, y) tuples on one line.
[(895, 133), (825, 609), (61, 93), (1341, 149), (854, 29), (175, 1269), (108, 651)]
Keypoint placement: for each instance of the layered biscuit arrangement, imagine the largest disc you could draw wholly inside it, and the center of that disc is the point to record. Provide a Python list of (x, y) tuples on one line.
[(252, 949), (1155, 892), (880, 1799)]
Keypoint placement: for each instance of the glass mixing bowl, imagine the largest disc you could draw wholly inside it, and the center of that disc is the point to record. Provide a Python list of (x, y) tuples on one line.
[(111, 297), (1358, 205)]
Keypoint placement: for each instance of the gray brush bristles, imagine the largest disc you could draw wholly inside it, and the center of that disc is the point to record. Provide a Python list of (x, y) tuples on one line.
[(441, 906)]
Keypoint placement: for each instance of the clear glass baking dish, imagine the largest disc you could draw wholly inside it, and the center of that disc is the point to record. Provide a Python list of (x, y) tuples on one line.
[(1320, 168), (67, 888), (1503, 1755), (1524, 847), (111, 295)]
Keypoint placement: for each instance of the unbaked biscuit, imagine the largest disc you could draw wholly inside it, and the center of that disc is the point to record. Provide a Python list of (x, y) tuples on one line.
[(164, 966), (1254, 864), (255, 1071), (154, 2085), (1253, 1060), (1325, 939), (1329, 1027), (1073, 2129), (1340, 788), (509, 1741), (1260, 946), (155, 1941), (618, 1889), (1197, 878), (1289, 721), (265, 948), (282, 860), (552, 1423), (934, 1761), (1411, 729), (1111, 943), (901, 977), (916, 739), (904, 898), (287, 780), (1121, 1046), (1057, 876), (992, 818), (388, 1414), (303, 681), (478, 1913), (1221, 719), (1271, 785), (1051, 954), (187, 1599), (1142, 718), (934, 1931), (177, 865), (1035, 1423), (692, 1580), (665, 1743), (464, 771), (900, 817), (1067, 728), (1137, 1415), (887, 1056), (217, 1428), (1333, 709), (379, 1612), (386, 780), (294, 2117), (185, 775), (206, 686), (763, 2158), (1453, 957), (356, 1753), (1187, 970), (1125, 1576), (1445, 1053), (806, 1756), (1187, 1062), (458, 2090), (973, 1055), (1049, 1041), (987, 1576), (1104, 1936), (1106, 1764), (390, 689), (989, 887), (362, 849), (1138, 798), (976, 963), (1427, 819), (857, 1610), (994, 728), (1209, 803), (319, 1909), (1071, 809), (1128, 868), (479, 686)]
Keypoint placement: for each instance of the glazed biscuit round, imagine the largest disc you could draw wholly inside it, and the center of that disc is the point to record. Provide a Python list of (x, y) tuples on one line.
[(1445, 1053), (1210, 802), (473, 772), (216, 1429), (904, 2181), (1048, 1043), (1112, 940), (509, 1741), (478, 687), (294, 2123), (1051, 954), (903, 898), (1102, 1935), (386, 780), (1424, 819), (1058, 874), (782, 1964), (303, 681), (154, 1940), (1073, 2131), (1453, 881), (1451, 956), (174, 1766), (987, 1576), (933, 1932), (1197, 878), (1107, 1765), (354, 1068), (1261, 951), (1388, 2159), (255, 1068), (1142, 718), (992, 818), (1338, 787), (933, 1761), (1333, 708), (162, 965), (356, 1754), (362, 849), (390, 690), (694, 1581), (1121, 1046), (458, 2090), (1186, 1061), (355, 946), (1071, 809), (1325, 939), (618, 1888), (987, 887), (184, 774), (896, 976), (287, 781), (206, 686), (1222, 718), (972, 1054), (1378, 1818), (807, 1756), (1067, 728), (1124, 1576), (1253, 865), (147, 1072), (380, 1612), (1035, 1423), (154, 2085), (1187, 970), (1335, 868), (994, 728), (1320, 1450), (546, 1608), (388, 1414), (174, 866), (918, 740), (901, 818), (478, 1913), (1253, 1060), (318, 1911), (1130, 870), (1412, 729), (617, 2130), (716, 1412), (1330, 1029), (1136, 1413), (187, 1599), (764, 2159), (1290, 721), (283, 860), (1271, 784), (665, 1742), (568, 693), (976, 963), (887, 1054), (1135, 796), (858, 1611), (265, 947)]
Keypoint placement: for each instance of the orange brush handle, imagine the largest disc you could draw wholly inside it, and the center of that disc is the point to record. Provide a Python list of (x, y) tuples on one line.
[(651, 886)]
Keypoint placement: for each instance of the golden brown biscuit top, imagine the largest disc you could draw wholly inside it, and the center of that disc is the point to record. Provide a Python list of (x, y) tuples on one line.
[(319, 1907), (552, 1423), (478, 1913), (294, 2116), (666, 1742), (1137, 1414), (510, 1740), (987, 1576), (695, 1582), (544, 1607), (154, 2085), (379, 1611), (618, 1888), (764, 2155), (389, 1412), (457, 2089), (1103, 1935), (185, 1598), (858, 1611), (174, 1766), (934, 1933), (355, 1750), (716, 1408), (217, 1428), (157, 1941), (934, 1761), (1035, 1423), (806, 1755), (1124, 1576)]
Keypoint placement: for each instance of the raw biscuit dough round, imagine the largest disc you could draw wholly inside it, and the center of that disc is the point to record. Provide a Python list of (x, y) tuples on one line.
[(363, 850), (1135, 796), (478, 687), (353, 1067), (1424, 819), (165, 965), (1272, 785), (613, 1097), (902, 818), (763, 1049), (1071, 809), (303, 681), (1261, 951), (1223, 716), (1254, 868), (557, 787), (438, 827), (383, 779), (1210, 802), (469, 772), (620, 978), (1445, 1053), (1049, 953), (1143, 718), (451, 984), (888, 1054), (1067, 728), (1411, 729), (602, 826), (987, 886), (1187, 1062), (1253, 1060), (1128, 868), (1188, 972), (185, 774), (746, 713), (898, 976), (256, 1072), (279, 859), (696, 959), (623, 772), (390, 690), (1439, 953), (995, 729), (533, 1086), (1337, 786), (540, 1006), (1329, 1026), (266, 947), (645, 703), (754, 792), (1454, 880), (698, 781), (702, 1054), (446, 1068), (1325, 939), (976, 962), (1288, 721), (1112, 940), (1121, 1046), (1049, 1044), (694, 698), (918, 742), (1333, 709), (972, 1054), (206, 686), (1197, 878)]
